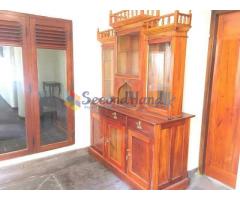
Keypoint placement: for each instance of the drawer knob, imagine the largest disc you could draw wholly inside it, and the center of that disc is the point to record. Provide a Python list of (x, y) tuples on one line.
[(114, 114), (139, 125)]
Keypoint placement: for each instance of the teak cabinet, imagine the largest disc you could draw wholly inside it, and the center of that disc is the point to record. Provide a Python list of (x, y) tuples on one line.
[(140, 131), (151, 153)]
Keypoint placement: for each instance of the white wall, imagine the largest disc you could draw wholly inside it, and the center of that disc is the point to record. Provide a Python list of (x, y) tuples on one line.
[(87, 57)]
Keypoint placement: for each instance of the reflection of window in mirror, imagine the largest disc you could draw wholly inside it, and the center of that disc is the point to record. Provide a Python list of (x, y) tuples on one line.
[(159, 68)]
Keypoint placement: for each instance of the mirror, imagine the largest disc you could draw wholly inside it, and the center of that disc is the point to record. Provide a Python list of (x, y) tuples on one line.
[(52, 86), (12, 100), (159, 69)]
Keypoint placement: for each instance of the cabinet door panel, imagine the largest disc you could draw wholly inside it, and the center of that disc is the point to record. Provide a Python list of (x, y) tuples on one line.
[(139, 158), (115, 143), (97, 133)]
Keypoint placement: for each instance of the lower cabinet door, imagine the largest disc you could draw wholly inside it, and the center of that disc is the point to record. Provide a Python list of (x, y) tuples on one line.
[(115, 142), (139, 158), (97, 133)]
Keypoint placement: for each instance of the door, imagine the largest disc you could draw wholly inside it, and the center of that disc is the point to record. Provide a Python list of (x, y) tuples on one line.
[(223, 138), (52, 68), (15, 96), (115, 143), (97, 134), (139, 156)]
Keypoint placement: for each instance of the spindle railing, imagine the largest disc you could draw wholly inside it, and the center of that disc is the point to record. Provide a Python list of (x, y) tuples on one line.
[(175, 18), (105, 35), (128, 14)]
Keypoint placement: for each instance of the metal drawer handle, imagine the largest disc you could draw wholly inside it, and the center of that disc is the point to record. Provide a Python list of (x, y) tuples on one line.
[(114, 114), (139, 125)]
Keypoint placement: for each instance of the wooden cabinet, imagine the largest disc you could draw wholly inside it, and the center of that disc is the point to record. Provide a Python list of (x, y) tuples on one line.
[(148, 151), (145, 131)]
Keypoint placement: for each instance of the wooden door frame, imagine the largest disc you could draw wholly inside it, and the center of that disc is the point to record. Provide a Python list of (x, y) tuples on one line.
[(208, 84)]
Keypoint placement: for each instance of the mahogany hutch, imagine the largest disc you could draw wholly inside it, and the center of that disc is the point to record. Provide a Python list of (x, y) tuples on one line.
[(140, 131)]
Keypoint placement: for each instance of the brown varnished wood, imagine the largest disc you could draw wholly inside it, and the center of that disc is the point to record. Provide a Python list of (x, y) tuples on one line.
[(223, 146), (66, 26), (139, 164), (153, 141), (208, 84), (23, 20), (166, 142), (115, 143)]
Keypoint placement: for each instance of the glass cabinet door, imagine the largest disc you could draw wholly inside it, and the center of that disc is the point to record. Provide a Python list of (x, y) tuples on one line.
[(128, 55), (159, 69), (108, 63)]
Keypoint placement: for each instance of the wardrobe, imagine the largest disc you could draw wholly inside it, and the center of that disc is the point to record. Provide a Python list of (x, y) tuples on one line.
[(36, 84)]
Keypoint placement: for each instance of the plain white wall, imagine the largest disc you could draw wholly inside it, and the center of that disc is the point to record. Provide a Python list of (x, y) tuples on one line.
[(87, 17)]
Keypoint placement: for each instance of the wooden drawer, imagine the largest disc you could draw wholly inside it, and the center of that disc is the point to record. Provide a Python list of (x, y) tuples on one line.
[(113, 115), (141, 126)]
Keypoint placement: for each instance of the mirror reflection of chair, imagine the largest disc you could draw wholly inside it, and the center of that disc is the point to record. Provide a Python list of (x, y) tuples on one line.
[(52, 91)]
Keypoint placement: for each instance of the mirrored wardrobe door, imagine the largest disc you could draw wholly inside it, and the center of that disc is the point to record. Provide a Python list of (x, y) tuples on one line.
[(15, 137), (54, 75)]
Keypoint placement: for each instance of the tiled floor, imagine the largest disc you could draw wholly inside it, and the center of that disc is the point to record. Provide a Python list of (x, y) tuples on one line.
[(75, 170)]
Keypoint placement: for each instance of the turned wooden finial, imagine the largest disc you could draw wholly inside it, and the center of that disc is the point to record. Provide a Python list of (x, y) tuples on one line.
[(176, 13), (110, 17)]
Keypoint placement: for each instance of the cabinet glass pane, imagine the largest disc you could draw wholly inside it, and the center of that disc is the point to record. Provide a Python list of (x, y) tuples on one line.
[(12, 100), (159, 67), (52, 83), (108, 71), (128, 54)]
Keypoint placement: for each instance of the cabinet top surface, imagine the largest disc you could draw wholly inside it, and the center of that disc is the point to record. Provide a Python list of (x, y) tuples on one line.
[(143, 114)]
